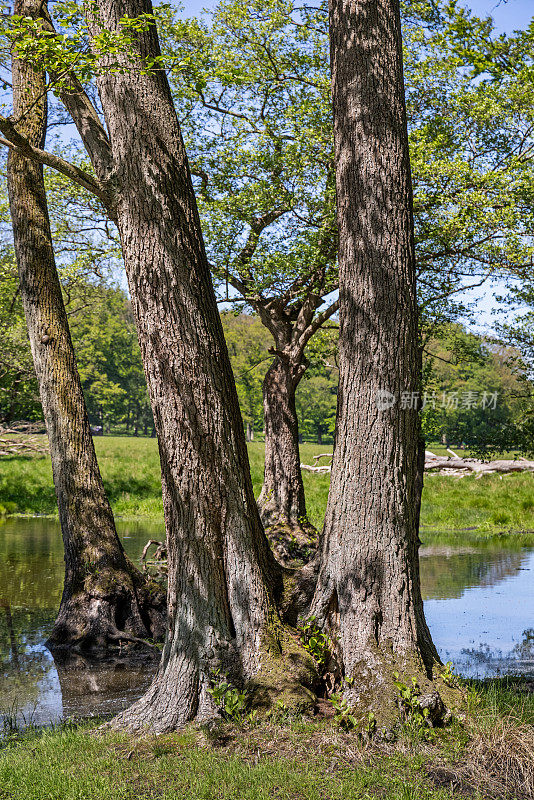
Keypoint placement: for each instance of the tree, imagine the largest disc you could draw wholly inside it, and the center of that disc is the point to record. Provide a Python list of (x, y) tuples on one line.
[(107, 351), (248, 348), (105, 598), (19, 395), (224, 584), (255, 83), (368, 594), (477, 394)]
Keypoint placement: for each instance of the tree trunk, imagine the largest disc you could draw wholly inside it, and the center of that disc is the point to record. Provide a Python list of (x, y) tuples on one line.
[(282, 502), (368, 594), (105, 599), (224, 583)]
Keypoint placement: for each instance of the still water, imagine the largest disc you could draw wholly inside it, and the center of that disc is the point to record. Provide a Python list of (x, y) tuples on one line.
[(479, 604)]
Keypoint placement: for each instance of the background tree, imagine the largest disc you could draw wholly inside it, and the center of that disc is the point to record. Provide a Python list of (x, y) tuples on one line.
[(248, 348), (477, 394), (19, 393), (105, 599), (109, 358)]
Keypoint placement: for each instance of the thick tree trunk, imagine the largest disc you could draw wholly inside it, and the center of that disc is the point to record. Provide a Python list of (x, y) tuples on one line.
[(105, 599), (224, 583), (282, 500), (368, 594)]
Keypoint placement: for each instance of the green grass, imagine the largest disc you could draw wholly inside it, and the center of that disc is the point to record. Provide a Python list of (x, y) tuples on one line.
[(297, 759), (480, 507), (73, 766)]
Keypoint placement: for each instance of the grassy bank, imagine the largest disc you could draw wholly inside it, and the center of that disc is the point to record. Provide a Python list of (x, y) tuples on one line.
[(130, 467), (489, 754)]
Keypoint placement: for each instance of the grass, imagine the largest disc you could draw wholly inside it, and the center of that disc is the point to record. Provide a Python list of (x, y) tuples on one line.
[(294, 759), (487, 755), (481, 507)]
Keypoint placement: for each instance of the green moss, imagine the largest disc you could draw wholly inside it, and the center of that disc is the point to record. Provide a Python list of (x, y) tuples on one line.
[(288, 675)]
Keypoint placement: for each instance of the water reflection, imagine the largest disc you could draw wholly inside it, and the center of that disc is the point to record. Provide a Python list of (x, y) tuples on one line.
[(33, 687), (478, 603), (102, 688)]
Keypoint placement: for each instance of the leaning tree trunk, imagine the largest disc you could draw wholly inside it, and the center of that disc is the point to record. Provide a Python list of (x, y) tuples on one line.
[(368, 594), (105, 598), (282, 502), (224, 583)]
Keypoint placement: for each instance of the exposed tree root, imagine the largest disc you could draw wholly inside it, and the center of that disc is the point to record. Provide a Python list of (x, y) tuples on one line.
[(109, 609)]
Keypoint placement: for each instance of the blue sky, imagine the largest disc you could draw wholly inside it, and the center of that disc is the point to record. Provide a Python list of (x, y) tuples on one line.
[(508, 14)]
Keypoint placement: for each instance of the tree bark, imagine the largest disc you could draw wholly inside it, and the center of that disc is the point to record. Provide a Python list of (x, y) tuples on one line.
[(282, 502), (224, 583), (105, 598), (368, 594)]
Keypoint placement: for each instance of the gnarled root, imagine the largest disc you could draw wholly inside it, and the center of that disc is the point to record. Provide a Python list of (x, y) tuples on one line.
[(110, 610)]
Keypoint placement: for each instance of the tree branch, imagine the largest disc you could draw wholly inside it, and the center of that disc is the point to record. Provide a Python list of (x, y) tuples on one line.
[(319, 320), (19, 143)]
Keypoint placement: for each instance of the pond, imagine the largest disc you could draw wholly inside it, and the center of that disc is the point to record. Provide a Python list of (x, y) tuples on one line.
[(478, 602)]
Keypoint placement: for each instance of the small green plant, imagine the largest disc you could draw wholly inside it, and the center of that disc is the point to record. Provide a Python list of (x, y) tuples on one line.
[(252, 717), (369, 726), (450, 678), (343, 715), (415, 718), (231, 702), (316, 642)]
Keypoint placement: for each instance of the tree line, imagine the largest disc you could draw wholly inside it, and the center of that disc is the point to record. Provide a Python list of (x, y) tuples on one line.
[(280, 209)]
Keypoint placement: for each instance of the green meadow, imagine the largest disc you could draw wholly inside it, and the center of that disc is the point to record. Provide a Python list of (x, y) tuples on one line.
[(492, 505)]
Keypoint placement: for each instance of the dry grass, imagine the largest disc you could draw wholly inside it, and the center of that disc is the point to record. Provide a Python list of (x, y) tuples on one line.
[(500, 757)]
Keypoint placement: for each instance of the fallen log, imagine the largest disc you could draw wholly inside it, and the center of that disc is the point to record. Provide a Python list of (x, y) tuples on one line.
[(443, 464), (13, 442), (446, 465)]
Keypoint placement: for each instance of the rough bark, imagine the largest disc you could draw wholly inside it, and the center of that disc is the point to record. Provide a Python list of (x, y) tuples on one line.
[(105, 598), (282, 502), (224, 583), (368, 594)]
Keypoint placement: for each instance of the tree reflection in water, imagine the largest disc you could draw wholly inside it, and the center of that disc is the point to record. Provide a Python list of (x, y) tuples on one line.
[(464, 588)]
